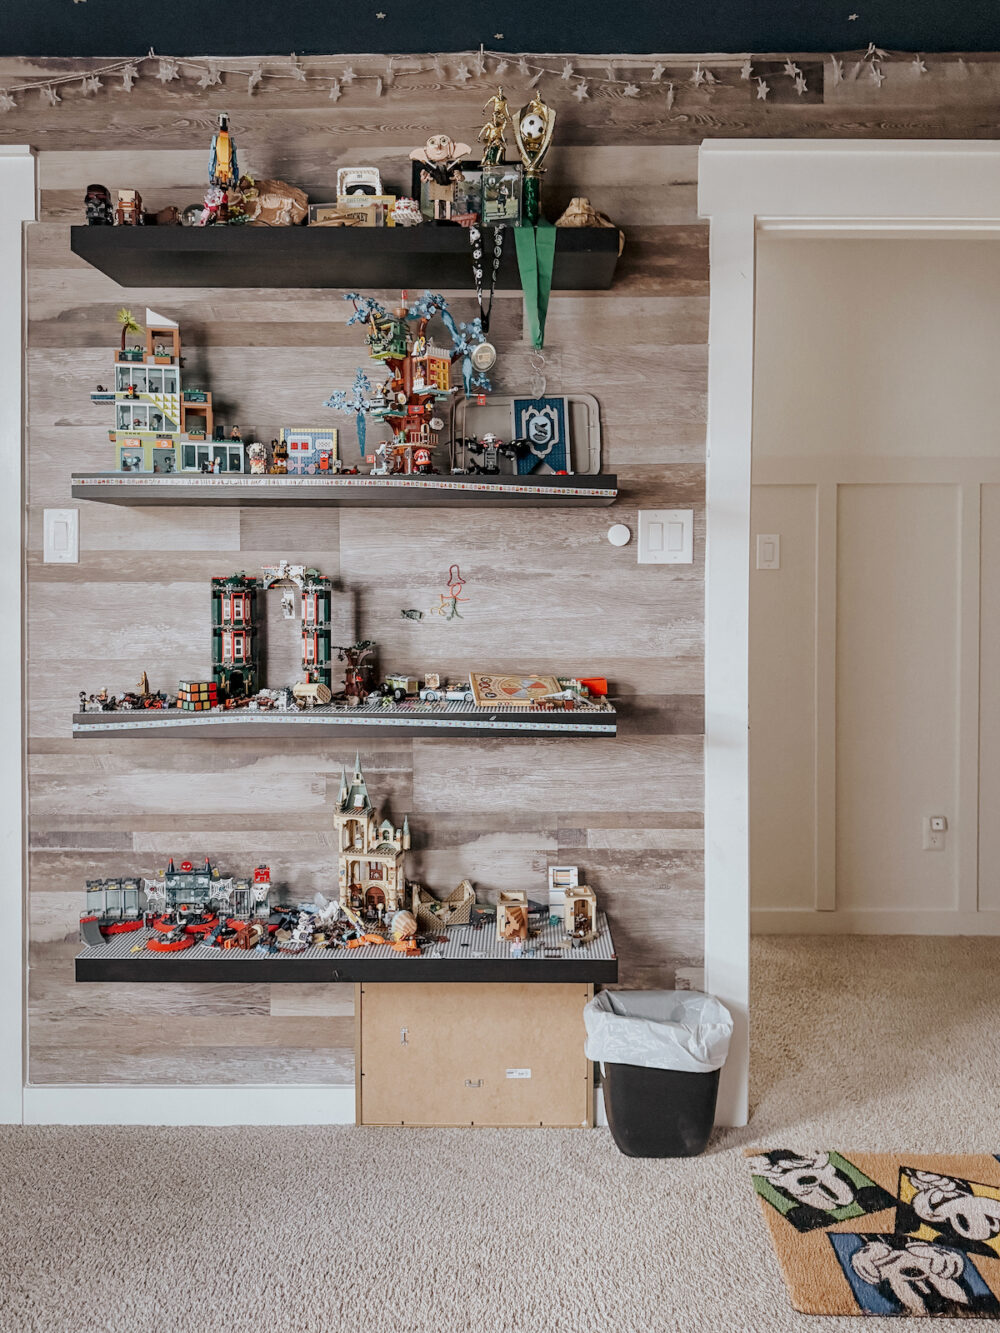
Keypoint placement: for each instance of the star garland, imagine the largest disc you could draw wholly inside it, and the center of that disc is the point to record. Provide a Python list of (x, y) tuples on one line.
[(629, 77)]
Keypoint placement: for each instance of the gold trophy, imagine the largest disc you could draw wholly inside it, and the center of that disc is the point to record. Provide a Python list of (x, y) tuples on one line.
[(533, 131)]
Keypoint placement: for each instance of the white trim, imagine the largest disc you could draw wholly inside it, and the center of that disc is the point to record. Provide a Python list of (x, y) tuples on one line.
[(891, 188), (18, 197), (727, 624), (880, 921), (227, 1104)]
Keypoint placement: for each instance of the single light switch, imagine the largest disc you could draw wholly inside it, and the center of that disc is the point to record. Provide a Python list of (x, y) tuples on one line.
[(768, 550), (61, 537), (666, 536)]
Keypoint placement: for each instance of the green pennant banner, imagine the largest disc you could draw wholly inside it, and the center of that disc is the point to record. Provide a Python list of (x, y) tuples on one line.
[(536, 253)]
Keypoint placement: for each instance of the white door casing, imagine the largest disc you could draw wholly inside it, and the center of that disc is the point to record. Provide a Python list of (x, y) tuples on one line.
[(842, 188)]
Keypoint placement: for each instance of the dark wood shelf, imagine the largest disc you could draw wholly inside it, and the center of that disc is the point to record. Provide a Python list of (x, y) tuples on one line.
[(342, 257), (447, 721), (503, 492), (594, 962)]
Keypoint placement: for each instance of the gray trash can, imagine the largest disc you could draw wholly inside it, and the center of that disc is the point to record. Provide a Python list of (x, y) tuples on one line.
[(660, 1054)]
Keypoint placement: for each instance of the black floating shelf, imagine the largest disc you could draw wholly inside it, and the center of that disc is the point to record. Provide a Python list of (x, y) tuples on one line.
[(340, 966), (444, 721), (469, 955), (343, 257), (446, 492)]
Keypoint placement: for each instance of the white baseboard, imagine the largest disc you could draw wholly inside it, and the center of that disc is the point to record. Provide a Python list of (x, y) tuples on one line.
[(226, 1105), (878, 921)]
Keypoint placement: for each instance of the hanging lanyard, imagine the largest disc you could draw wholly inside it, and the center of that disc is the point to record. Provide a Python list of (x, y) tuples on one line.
[(536, 252)]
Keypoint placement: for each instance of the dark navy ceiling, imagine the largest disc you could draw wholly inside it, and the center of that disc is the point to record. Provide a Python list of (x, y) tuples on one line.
[(226, 27)]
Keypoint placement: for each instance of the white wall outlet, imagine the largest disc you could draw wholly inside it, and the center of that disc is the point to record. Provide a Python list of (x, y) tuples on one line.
[(935, 833), (61, 537), (666, 536), (768, 550)]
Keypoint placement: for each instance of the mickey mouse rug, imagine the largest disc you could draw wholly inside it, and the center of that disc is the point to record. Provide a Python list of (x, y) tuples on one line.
[(884, 1233)]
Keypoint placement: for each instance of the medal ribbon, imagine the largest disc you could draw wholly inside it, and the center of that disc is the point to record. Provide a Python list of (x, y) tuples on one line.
[(536, 253)]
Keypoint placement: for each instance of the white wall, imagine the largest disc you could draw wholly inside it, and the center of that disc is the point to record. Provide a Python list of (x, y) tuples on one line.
[(877, 460)]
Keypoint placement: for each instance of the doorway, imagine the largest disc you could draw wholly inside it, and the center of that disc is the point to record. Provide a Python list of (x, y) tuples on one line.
[(874, 511), (940, 190)]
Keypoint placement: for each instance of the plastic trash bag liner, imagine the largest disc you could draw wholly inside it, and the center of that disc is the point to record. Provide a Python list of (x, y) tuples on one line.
[(658, 1029)]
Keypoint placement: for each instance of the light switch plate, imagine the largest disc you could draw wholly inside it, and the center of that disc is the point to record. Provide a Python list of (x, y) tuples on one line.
[(768, 550), (61, 537), (666, 536)]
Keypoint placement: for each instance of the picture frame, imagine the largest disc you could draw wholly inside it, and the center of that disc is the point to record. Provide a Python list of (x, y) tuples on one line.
[(500, 195), (467, 191)]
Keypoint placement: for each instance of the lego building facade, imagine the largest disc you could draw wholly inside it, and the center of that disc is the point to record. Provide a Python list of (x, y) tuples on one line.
[(371, 856)]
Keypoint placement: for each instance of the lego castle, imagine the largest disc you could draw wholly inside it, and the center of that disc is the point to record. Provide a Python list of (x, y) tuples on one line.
[(371, 854)]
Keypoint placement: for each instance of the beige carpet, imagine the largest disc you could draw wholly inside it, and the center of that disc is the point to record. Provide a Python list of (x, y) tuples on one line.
[(863, 1043)]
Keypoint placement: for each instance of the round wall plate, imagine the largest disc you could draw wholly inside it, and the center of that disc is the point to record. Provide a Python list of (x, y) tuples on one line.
[(619, 534)]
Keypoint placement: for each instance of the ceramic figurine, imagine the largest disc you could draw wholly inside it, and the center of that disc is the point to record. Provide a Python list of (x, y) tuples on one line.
[(440, 160)]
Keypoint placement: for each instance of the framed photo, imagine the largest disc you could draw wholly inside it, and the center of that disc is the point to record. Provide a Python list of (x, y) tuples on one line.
[(501, 195), (466, 198)]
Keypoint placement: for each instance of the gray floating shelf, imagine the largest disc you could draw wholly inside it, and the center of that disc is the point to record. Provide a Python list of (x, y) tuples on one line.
[(342, 257), (449, 720), (469, 955), (504, 492)]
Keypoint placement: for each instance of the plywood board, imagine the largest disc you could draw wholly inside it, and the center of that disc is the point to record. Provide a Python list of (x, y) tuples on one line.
[(500, 1055)]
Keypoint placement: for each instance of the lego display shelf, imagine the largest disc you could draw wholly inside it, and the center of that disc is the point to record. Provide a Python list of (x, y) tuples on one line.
[(503, 492), (410, 718), (344, 257), (470, 955)]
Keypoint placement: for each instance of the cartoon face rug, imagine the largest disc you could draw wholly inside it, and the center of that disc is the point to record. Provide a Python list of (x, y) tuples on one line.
[(963, 1213), (816, 1189), (897, 1275)]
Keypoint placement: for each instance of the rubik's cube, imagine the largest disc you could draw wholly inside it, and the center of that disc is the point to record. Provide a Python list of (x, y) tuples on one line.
[(197, 696)]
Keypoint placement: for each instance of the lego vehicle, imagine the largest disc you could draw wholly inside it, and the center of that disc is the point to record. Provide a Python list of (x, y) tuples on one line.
[(399, 688), (460, 693)]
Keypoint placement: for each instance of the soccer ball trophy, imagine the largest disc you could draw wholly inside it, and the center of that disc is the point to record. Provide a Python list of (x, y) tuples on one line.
[(533, 131)]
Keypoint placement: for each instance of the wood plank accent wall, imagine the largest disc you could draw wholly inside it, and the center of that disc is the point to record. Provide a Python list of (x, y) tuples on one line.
[(546, 592)]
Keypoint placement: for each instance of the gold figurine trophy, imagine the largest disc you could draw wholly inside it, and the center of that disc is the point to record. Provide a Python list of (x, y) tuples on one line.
[(533, 132)]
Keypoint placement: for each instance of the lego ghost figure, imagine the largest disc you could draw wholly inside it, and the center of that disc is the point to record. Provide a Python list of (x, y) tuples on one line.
[(440, 158), (945, 1202), (288, 605), (913, 1274), (812, 1180)]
